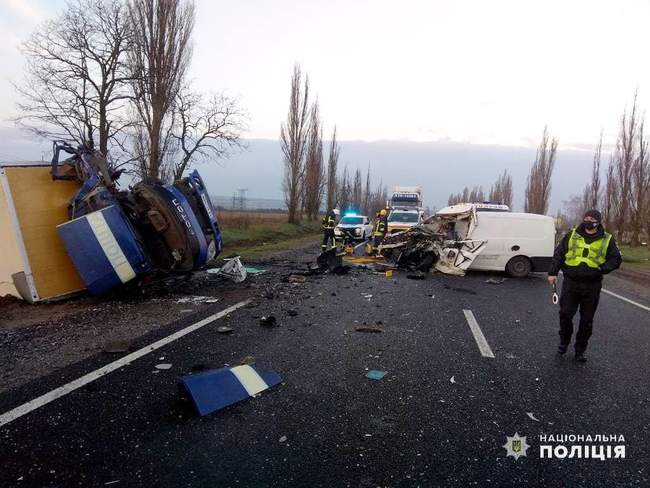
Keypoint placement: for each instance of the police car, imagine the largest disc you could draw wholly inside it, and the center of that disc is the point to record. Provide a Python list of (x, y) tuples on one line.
[(354, 227)]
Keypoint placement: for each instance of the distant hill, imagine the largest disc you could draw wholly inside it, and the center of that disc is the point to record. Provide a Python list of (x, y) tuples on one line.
[(439, 167)]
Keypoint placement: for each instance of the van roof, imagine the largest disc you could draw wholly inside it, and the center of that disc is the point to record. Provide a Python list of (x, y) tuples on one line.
[(514, 215)]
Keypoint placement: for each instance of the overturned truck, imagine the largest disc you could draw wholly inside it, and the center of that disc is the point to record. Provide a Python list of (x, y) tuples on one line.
[(154, 229)]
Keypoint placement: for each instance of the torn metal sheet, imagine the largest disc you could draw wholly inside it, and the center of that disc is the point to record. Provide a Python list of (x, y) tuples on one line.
[(442, 242)]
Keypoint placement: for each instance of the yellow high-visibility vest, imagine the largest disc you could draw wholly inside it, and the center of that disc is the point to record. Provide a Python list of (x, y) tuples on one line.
[(596, 250)]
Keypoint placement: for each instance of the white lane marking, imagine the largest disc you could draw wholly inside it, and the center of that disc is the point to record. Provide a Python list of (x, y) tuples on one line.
[(31, 405), (647, 309), (482, 343)]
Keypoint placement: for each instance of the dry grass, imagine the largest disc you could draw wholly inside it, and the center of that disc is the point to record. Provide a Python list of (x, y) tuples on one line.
[(235, 219)]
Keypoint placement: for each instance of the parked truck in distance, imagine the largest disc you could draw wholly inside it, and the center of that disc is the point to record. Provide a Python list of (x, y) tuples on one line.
[(406, 198)]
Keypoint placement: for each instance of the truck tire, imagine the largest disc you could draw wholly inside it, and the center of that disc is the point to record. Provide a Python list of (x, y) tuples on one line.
[(518, 267)]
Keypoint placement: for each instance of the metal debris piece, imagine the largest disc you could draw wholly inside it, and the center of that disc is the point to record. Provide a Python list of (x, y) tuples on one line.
[(416, 276), (269, 321), (224, 329), (532, 417), (452, 380), (114, 347), (283, 439), (297, 279), (494, 281), (376, 329), (163, 366)]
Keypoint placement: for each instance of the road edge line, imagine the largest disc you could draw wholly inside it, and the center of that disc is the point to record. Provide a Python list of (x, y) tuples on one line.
[(61, 391), (620, 297)]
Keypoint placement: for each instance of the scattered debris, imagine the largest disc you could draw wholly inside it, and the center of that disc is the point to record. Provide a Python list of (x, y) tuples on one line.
[(296, 279), (163, 366), (369, 328), (215, 389), (416, 276), (249, 270), (269, 321), (111, 482), (532, 417), (374, 374), (292, 313), (443, 242), (452, 380), (114, 347), (247, 360), (195, 299), (234, 270), (389, 273), (282, 439), (367, 296), (224, 329), (494, 281)]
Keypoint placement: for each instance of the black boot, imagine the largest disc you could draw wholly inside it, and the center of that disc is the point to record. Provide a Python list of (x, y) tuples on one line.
[(561, 349), (580, 357)]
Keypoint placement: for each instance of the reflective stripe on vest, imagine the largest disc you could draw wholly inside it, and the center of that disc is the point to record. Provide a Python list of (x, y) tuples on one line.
[(329, 222), (596, 251), (380, 228)]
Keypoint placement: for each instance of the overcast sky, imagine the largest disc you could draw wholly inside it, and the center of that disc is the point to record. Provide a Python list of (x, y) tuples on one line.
[(488, 72)]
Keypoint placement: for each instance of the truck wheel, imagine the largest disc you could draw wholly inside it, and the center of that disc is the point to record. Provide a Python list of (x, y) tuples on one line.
[(518, 267)]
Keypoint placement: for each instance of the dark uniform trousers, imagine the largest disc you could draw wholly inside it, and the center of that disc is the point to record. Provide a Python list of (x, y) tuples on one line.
[(328, 235), (583, 295)]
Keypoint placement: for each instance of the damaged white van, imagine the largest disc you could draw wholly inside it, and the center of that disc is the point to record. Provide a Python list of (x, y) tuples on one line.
[(475, 237), (515, 242)]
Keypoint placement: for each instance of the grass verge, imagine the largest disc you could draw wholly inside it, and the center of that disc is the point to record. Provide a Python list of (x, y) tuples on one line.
[(636, 257)]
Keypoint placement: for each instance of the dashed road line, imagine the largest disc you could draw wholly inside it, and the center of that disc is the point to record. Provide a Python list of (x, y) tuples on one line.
[(482, 343), (620, 297), (57, 393)]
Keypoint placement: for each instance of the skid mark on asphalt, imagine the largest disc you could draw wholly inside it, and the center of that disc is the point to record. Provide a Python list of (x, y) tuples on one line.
[(32, 405), (620, 297), (481, 342)]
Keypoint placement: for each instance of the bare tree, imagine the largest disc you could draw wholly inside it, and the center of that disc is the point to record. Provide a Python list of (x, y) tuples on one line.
[(344, 190), (357, 191), (332, 163), (609, 195), (594, 186), (501, 190), (205, 128), (640, 183), (367, 194), (159, 60), (314, 183), (538, 183), (624, 160), (293, 140), (76, 78)]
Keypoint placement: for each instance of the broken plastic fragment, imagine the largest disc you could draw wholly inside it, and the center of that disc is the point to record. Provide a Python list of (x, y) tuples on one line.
[(163, 366), (532, 417), (215, 389), (452, 380), (374, 374)]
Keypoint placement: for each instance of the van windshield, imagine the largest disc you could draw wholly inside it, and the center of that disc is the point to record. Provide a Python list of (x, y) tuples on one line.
[(406, 217)]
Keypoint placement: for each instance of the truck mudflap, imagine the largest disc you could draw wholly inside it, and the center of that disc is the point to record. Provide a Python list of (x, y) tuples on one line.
[(104, 249)]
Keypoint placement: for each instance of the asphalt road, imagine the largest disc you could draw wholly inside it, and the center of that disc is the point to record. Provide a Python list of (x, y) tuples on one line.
[(415, 427)]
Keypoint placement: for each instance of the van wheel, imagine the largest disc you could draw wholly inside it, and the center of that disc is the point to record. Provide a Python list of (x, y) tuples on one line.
[(518, 267)]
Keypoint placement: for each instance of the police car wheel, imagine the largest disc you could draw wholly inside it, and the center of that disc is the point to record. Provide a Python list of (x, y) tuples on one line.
[(518, 267)]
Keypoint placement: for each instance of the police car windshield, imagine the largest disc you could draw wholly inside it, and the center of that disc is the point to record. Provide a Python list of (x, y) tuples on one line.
[(403, 217), (352, 220)]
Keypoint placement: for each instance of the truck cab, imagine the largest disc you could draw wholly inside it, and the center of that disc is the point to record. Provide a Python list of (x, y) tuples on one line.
[(401, 219)]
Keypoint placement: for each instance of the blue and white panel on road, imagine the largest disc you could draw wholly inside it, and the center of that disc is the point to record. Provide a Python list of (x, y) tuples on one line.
[(216, 389)]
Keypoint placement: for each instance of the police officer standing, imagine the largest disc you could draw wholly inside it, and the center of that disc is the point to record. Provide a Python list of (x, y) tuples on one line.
[(584, 255), (381, 226), (328, 224)]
